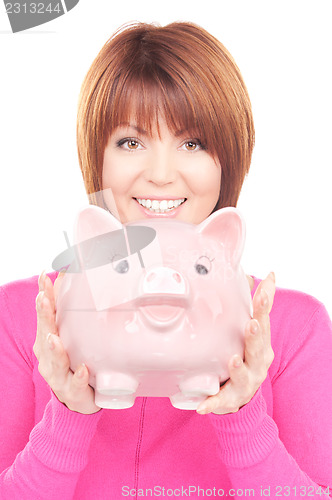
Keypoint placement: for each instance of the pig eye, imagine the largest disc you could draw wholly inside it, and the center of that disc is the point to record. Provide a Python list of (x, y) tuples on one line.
[(201, 269), (121, 266), (203, 265)]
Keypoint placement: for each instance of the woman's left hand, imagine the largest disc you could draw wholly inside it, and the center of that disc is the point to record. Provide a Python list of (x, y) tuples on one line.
[(247, 376)]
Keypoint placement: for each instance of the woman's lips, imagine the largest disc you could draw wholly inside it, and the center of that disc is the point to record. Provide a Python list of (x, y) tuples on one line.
[(149, 213)]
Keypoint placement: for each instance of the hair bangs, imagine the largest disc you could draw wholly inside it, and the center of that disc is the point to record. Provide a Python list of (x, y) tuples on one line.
[(143, 98)]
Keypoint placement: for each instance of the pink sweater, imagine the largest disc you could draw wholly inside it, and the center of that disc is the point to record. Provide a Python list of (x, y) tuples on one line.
[(278, 445)]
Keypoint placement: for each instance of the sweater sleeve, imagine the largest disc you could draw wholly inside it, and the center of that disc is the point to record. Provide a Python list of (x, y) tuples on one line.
[(41, 461), (289, 454)]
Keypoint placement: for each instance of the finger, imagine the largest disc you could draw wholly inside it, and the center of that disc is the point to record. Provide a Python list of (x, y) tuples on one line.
[(80, 380), (58, 283), (45, 324), (49, 291), (222, 403), (81, 395), (55, 365), (238, 373), (229, 398), (41, 280), (270, 288), (45, 314), (241, 387), (264, 295), (254, 347), (45, 303), (218, 403), (45, 285), (262, 304)]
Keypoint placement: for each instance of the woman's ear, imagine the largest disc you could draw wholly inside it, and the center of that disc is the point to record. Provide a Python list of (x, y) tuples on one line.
[(226, 226)]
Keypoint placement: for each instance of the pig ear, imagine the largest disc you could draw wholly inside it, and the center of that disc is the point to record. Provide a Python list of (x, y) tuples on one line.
[(90, 223), (93, 221), (226, 226)]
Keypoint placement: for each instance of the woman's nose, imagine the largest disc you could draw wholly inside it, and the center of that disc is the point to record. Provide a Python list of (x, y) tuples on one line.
[(161, 169)]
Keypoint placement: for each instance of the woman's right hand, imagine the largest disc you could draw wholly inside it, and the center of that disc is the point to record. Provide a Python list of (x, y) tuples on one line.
[(72, 389)]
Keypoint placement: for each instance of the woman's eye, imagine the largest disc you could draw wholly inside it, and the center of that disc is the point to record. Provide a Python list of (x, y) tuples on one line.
[(193, 145), (129, 144), (132, 144)]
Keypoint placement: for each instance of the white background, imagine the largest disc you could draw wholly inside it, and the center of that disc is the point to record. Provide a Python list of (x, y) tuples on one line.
[(284, 51)]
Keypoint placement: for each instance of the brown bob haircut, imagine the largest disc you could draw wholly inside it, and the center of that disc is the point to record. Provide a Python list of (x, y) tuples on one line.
[(179, 72)]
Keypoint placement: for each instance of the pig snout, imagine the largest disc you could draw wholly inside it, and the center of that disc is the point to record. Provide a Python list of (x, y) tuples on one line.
[(164, 280), (164, 295)]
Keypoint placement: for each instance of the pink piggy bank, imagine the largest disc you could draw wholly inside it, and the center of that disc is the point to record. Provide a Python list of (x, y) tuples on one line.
[(156, 307)]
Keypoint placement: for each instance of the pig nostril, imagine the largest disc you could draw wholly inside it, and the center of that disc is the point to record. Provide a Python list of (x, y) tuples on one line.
[(177, 277), (151, 276)]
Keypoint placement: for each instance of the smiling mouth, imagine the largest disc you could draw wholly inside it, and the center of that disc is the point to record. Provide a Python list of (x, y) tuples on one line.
[(160, 206)]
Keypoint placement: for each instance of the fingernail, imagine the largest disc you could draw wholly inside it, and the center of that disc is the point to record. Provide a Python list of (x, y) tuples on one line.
[(272, 276), (80, 371), (254, 326), (237, 361), (41, 281), (203, 410)]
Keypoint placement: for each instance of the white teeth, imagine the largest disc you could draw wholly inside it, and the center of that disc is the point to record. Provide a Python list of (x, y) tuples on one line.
[(160, 206)]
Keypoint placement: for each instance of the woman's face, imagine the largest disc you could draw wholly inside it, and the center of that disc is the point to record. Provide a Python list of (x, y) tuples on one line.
[(159, 176)]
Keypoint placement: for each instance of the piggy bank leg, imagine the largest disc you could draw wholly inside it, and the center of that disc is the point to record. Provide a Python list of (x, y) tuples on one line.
[(114, 402), (115, 390), (182, 402), (194, 389)]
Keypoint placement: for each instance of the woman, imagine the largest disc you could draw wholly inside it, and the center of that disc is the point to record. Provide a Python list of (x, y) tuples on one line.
[(164, 116)]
